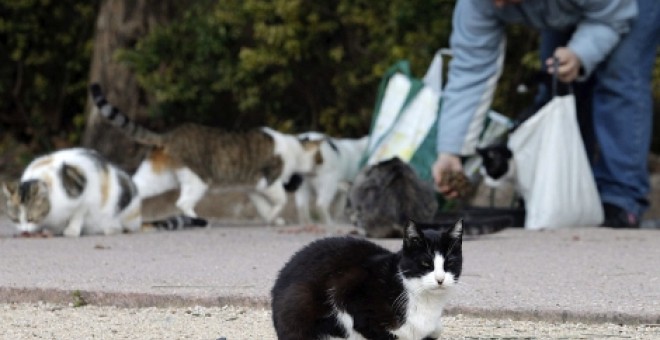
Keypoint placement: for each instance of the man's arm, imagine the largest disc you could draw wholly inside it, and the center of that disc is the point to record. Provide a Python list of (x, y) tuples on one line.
[(601, 29), (477, 43)]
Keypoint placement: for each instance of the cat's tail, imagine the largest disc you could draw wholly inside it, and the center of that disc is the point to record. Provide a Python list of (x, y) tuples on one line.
[(139, 133), (175, 223)]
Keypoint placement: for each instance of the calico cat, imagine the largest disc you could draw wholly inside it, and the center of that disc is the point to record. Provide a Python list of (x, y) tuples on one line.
[(385, 195), (76, 191), (337, 168), (193, 157), (350, 288)]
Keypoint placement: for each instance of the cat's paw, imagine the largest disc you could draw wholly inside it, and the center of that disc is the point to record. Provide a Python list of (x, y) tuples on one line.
[(72, 232), (278, 222)]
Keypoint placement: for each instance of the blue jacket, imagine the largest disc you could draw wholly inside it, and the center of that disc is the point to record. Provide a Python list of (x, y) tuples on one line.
[(478, 44)]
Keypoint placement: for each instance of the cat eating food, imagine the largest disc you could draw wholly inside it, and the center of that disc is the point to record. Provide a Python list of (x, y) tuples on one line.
[(193, 157), (350, 288), (76, 191)]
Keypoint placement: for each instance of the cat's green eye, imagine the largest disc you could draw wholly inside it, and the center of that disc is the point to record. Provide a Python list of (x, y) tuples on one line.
[(427, 264)]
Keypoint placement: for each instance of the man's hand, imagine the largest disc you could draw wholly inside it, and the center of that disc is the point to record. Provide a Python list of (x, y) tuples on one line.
[(444, 163), (569, 64)]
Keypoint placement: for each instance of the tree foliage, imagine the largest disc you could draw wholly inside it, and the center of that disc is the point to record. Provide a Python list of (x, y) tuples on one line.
[(292, 64), (45, 48)]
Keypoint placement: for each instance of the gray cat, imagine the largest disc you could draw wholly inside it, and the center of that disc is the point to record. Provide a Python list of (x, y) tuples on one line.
[(384, 196)]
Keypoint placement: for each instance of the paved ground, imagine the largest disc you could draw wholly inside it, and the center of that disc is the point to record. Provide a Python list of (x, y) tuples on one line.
[(581, 275), (52, 321)]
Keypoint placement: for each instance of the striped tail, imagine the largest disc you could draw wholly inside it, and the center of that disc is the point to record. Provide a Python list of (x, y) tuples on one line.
[(139, 133), (176, 223)]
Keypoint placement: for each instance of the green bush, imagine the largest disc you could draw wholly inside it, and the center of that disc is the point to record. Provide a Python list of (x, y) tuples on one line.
[(291, 64), (45, 52)]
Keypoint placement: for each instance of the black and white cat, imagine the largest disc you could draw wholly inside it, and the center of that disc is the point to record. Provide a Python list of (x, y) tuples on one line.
[(350, 288), (497, 165), (337, 167)]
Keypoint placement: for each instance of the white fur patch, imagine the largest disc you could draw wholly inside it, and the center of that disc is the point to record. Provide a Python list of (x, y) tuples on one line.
[(151, 183), (192, 190), (346, 320), (24, 225)]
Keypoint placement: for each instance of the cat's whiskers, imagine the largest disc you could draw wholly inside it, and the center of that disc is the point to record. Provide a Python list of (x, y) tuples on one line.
[(400, 301)]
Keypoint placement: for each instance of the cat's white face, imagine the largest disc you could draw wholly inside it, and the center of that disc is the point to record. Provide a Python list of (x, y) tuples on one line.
[(27, 204), (435, 281)]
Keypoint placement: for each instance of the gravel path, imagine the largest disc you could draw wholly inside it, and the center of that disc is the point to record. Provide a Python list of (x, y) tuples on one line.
[(51, 321)]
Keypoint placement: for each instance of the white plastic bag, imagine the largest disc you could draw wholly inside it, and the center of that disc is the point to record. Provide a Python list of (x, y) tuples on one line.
[(552, 170)]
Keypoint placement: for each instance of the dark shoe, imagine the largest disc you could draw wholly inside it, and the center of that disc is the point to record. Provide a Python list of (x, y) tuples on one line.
[(617, 217)]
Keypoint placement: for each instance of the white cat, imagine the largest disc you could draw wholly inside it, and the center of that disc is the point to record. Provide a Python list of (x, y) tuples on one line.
[(339, 165), (77, 191)]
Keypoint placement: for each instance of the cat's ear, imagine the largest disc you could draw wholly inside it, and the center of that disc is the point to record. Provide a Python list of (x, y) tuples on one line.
[(457, 231), (9, 189), (412, 235)]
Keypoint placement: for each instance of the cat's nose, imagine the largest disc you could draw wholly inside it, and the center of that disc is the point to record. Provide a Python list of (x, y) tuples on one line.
[(440, 280)]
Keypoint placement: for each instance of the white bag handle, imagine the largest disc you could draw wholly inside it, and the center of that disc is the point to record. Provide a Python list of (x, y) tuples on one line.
[(434, 77)]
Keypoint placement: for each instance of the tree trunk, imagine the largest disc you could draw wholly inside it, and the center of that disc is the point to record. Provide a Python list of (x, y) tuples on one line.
[(120, 24)]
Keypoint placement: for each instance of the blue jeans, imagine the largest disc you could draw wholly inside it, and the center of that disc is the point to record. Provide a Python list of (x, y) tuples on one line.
[(617, 127)]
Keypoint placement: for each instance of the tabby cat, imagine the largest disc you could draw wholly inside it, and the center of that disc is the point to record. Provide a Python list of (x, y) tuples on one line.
[(77, 191), (385, 195), (350, 288), (194, 157)]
